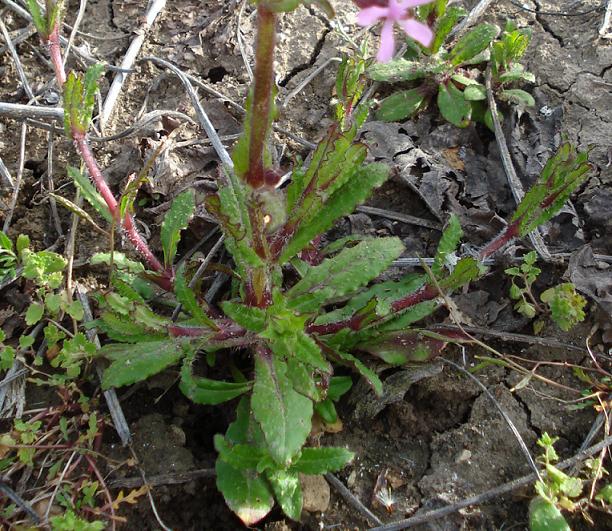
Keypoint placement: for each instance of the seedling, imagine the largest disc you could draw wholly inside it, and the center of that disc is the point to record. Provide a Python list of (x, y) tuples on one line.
[(453, 73)]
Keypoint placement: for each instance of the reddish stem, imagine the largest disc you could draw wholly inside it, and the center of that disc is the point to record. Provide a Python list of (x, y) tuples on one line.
[(55, 52), (262, 95), (510, 233), (128, 222)]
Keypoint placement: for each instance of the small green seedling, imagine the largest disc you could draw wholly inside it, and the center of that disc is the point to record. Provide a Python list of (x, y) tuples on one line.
[(526, 274)]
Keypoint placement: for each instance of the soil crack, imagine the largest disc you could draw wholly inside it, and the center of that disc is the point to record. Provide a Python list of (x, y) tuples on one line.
[(305, 66)]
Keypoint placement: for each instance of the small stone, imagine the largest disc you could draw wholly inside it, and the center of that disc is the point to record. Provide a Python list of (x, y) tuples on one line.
[(350, 482), (464, 456), (315, 491)]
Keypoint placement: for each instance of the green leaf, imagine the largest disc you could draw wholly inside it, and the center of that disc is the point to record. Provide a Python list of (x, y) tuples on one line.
[(240, 456), (566, 306), (344, 274), (407, 317), (135, 362), (475, 93), (445, 24), (187, 298), (327, 411), (206, 391), (563, 173), (79, 99), (26, 341), (371, 377), (397, 348), (75, 310), (34, 313), (176, 220), (300, 346), (339, 385), (544, 516), (466, 270), (44, 267), (453, 106), (401, 105), (403, 70), (605, 494), (321, 460), (302, 379), (517, 96), (287, 490), (283, 414), (471, 44), (361, 184), (40, 21), (249, 317), (448, 245)]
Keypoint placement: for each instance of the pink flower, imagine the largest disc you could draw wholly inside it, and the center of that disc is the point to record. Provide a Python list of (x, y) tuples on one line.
[(394, 12)]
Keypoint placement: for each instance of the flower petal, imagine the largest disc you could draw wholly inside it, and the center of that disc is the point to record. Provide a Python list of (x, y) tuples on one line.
[(370, 15), (418, 31), (387, 42)]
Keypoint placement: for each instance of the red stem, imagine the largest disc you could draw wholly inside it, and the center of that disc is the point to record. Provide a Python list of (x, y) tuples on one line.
[(510, 233), (262, 95), (55, 52)]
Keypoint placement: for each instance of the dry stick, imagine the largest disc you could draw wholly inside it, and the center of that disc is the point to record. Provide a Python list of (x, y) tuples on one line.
[(75, 29), (245, 59), (511, 337), (352, 500), (513, 181), (199, 272), (19, 36), (51, 186), (603, 30), (490, 494), (18, 111), (473, 16), (154, 8), (202, 116), (19, 501), (502, 412), (9, 216), (141, 124), (121, 425), (15, 56), (58, 485), (163, 479), (398, 216), (308, 79), (69, 249), (5, 175)]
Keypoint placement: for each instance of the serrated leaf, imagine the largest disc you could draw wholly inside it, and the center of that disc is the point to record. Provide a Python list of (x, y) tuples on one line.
[(135, 362), (176, 220), (79, 99), (448, 244), (361, 184), (283, 414), (453, 106), (544, 516), (473, 43), (409, 316), (314, 461), (401, 105), (445, 24), (240, 456), (300, 345), (517, 96), (344, 274), (466, 270), (563, 173), (249, 317), (287, 490), (39, 20), (302, 379), (34, 313), (397, 348), (206, 391)]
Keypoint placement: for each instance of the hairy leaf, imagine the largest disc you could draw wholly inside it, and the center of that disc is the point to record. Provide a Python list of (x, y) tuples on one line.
[(474, 42), (315, 461), (453, 106), (401, 105), (445, 24), (287, 490), (176, 220), (544, 516), (207, 391), (283, 414), (249, 317), (135, 362), (403, 70), (187, 298), (344, 274), (517, 96), (371, 377), (448, 244)]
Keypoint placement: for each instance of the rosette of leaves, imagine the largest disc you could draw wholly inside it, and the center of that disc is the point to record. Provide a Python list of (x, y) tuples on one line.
[(451, 72)]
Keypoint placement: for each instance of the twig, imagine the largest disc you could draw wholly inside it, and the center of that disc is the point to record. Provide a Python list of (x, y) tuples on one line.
[(352, 500), (75, 29), (154, 8), (513, 181), (245, 58), (473, 16), (430, 516), (19, 36), (22, 143), (202, 116), (51, 186), (511, 337), (69, 248), (58, 485), (398, 216), (308, 79), (15, 56), (104, 487), (199, 272), (163, 479), (141, 124), (604, 33), (121, 425), (5, 175), (502, 412), (18, 111), (19, 501)]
